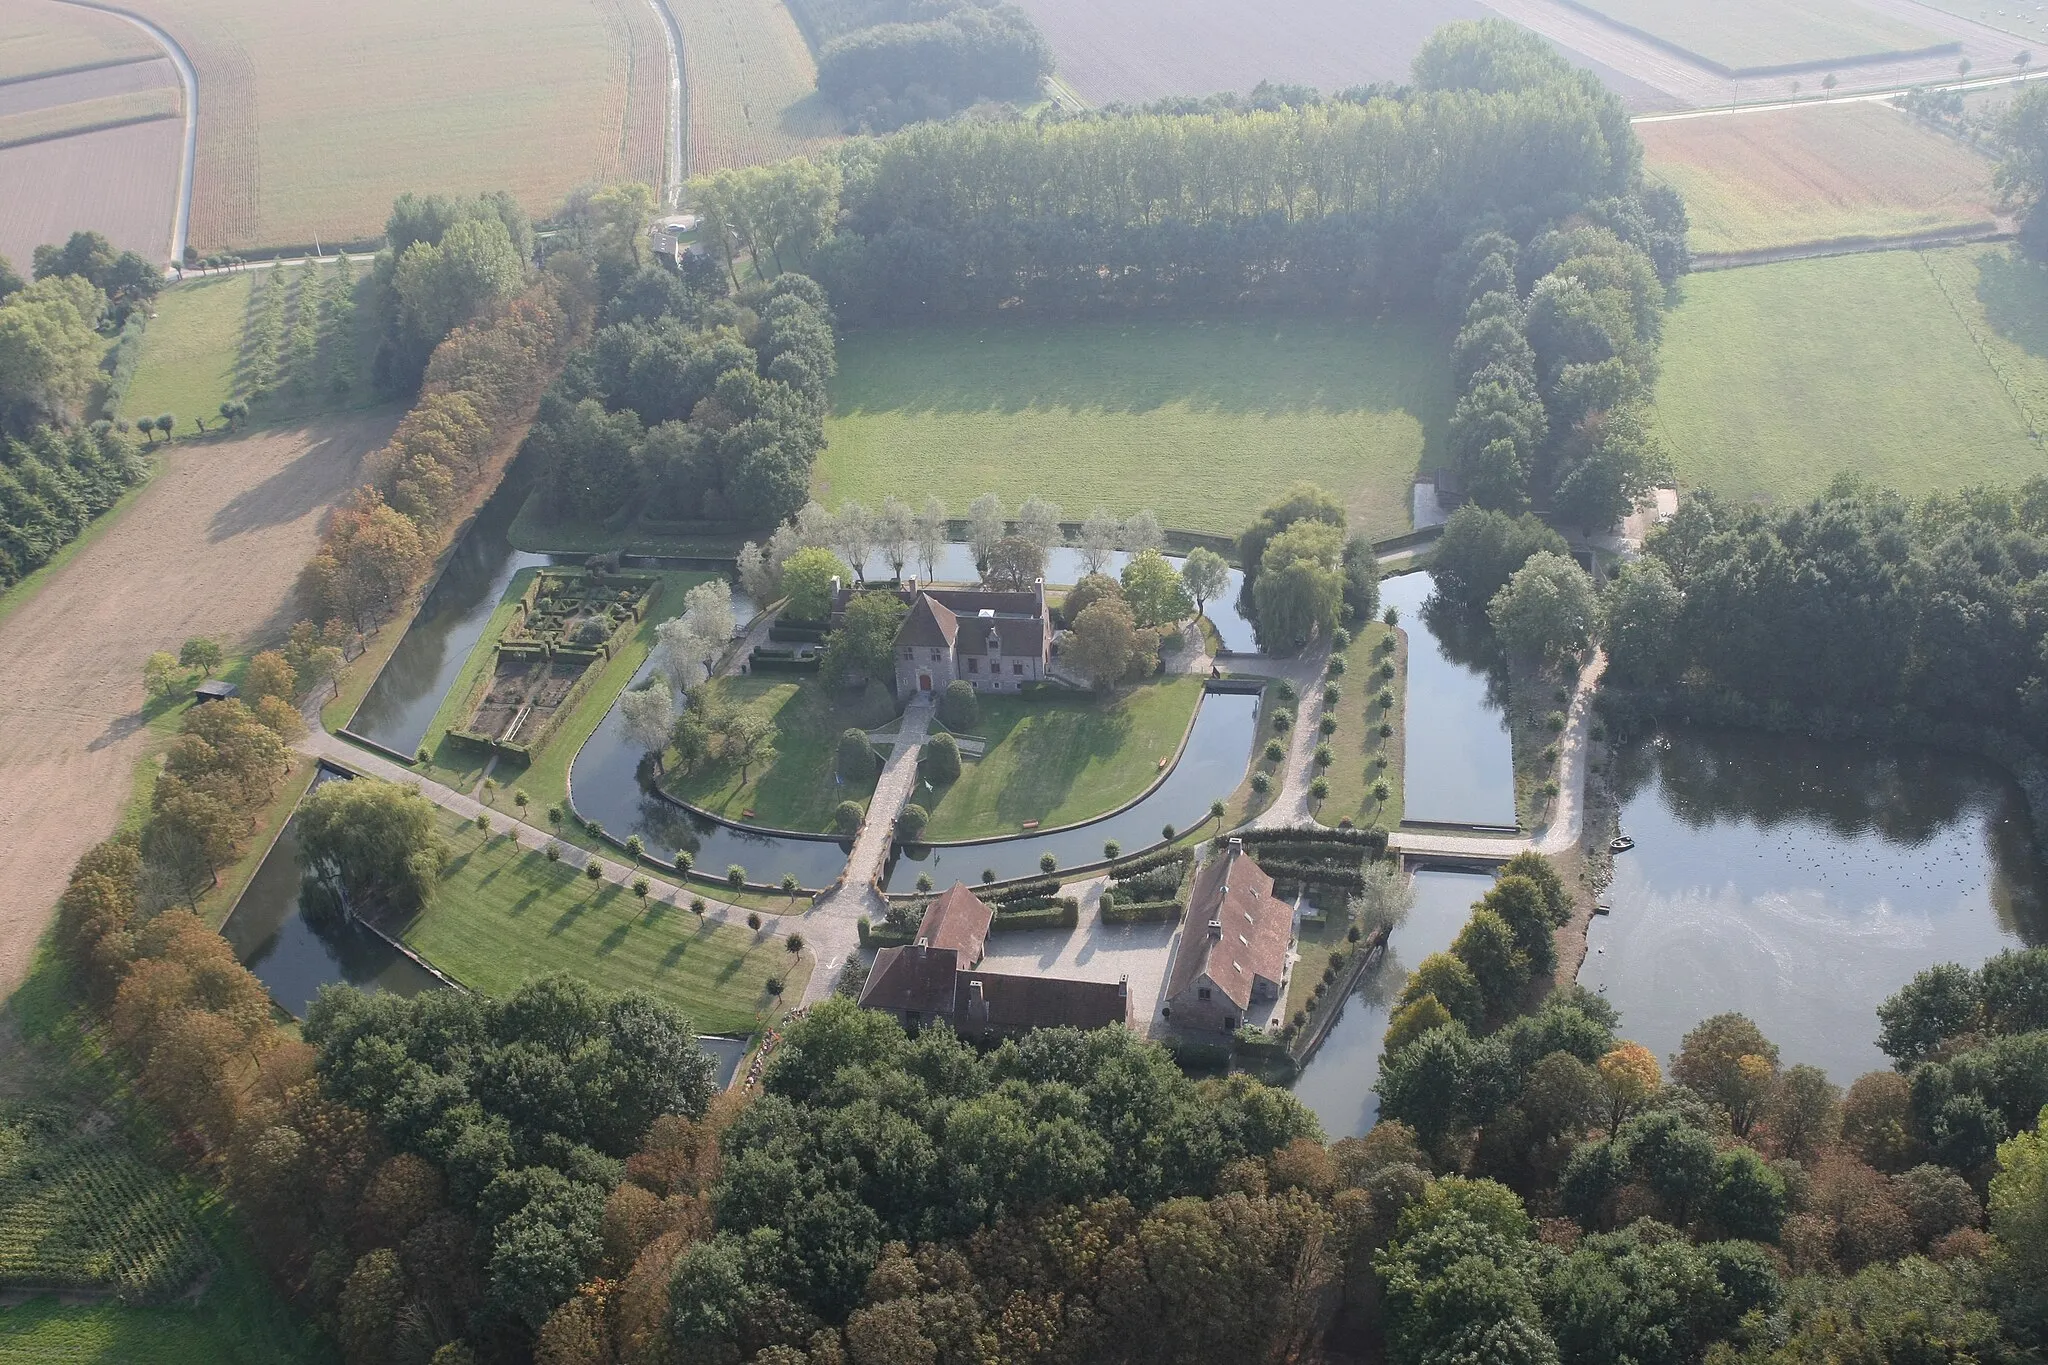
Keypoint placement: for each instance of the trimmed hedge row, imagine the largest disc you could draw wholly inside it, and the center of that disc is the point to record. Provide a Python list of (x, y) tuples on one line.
[(1316, 874), (1143, 912), (781, 663), (1062, 912), (1157, 885), (1145, 862), (1372, 839), (1041, 888), (807, 635), (881, 935)]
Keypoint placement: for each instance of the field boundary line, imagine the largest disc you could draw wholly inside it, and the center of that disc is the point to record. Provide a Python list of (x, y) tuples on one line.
[(59, 135), (1861, 97), (1988, 231), (181, 214), (79, 69), (1983, 352)]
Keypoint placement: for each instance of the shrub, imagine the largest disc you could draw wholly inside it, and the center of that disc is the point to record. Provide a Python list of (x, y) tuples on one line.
[(1047, 862), (1110, 848), (735, 876), (1554, 722), (553, 853), (988, 875), (1275, 751), (1392, 616), (1286, 690), (846, 817), (593, 870), (1324, 756), (924, 882), (1328, 726), (1167, 832), (910, 825), (685, 860), (697, 905), (773, 985), (959, 707), (1386, 729), (1548, 789), (790, 885), (754, 920), (1261, 783), (1141, 912), (1332, 694), (640, 885), (1283, 719), (1340, 638), (856, 756), (1385, 699), (1320, 788), (794, 943), (1337, 664), (941, 759)]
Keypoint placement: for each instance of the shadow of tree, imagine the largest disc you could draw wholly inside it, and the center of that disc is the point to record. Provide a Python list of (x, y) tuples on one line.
[(2014, 293)]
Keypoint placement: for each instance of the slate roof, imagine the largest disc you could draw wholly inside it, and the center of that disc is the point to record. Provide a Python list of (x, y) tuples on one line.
[(1256, 928), (912, 979), (959, 920), (1027, 1002)]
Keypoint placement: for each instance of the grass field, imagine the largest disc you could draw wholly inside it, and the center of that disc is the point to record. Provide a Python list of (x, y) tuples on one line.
[(313, 120), (1916, 370), (105, 111), (796, 791), (501, 915), (750, 83), (1201, 421), (1061, 760), (1357, 744), (1742, 34), (1816, 174), (193, 356), (37, 36)]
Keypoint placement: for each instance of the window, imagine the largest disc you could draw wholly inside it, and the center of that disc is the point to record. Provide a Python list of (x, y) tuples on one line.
[(938, 654), (1017, 669), (1202, 993), (1229, 1022), (973, 664), (909, 653)]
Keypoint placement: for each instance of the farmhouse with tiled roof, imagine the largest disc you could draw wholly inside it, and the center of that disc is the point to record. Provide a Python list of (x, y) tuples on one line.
[(1233, 953)]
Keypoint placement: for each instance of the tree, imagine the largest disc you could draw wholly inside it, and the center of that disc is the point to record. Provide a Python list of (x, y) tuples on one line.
[(1154, 590), (650, 716), (1038, 521), (1614, 461), (1487, 945), (1547, 610), (49, 350), (369, 559), (929, 530), (1091, 589), (1300, 585), (1639, 614), (270, 674), (853, 536), (960, 705), (200, 653), (1099, 534), (1714, 1059), (856, 755), (161, 675), (1805, 1112), (807, 583), (1102, 643), (1206, 575), (749, 739), (1015, 564), (1302, 502), (2019, 1209), (371, 847), (1479, 551), (985, 526), (2022, 175), (910, 824), (1631, 1076), (1140, 532), (864, 644), (1447, 977)]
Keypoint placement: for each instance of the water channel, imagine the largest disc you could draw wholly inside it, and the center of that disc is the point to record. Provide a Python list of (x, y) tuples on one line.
[(1459, 767), (1802, 882)]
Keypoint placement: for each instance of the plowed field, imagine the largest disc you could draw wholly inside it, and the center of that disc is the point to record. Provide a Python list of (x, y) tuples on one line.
[(122, 182)]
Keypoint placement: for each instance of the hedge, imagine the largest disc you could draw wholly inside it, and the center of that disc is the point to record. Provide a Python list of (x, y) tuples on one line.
[(807, 635), (1373, 839), (1145, 862), (1040, 888), (1143, 912), (1313, 874), (1056, 913), (882, 936), (1158, 884), (773, 663)]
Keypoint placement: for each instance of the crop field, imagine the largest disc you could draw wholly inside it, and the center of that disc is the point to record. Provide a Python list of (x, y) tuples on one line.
[(750, 83), (105, 111), (1741, 35), (1202, 421), (502, 914), (39, 36), (122, 182), (2025, 18), (1815, 175), (1920, 371), (535, 96)]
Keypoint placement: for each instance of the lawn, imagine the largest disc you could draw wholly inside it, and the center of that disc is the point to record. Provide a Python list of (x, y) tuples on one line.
[(1061, 759), (1356, 743), (1740, 35), (193, 355), (502, 914), (1202, 421), (1816, 174), (1915, 370), (797, 790), (313, 121)]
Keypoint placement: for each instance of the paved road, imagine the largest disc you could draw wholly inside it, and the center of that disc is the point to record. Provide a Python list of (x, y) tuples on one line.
[(672, 158), (181, 216)]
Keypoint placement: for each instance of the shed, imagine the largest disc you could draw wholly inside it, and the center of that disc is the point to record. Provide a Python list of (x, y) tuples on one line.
[(213, 689)]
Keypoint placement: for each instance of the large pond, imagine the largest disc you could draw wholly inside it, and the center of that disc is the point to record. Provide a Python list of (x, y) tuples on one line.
[(400, 705), (1801, 883), (1337, 1082), (1459, 767)]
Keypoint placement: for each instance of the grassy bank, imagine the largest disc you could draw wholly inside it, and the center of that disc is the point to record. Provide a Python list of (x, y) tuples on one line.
[(797, 789), (502, 914), (1356, 743)]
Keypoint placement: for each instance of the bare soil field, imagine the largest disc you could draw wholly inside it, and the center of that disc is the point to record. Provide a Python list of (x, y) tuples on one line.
[(212, 547), (750, 84), (99, 82), (1137, 50), (536, 96), (1816, 174), (41, 35), (122, 182), (1739, 34)]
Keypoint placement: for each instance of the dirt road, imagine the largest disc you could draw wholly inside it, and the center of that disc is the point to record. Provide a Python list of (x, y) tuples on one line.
[(211, 547)]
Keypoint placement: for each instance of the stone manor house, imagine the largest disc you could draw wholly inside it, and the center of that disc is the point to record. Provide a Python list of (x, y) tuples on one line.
[(998, 641)]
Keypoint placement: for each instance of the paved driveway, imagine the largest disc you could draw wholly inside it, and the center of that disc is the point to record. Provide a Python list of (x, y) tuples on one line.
[(1093, 951)]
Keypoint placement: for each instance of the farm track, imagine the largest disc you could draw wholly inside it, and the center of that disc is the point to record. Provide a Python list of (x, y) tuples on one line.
[(181, 221), (211, 547)]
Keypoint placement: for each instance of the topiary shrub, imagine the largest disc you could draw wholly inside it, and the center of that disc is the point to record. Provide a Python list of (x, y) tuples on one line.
[(1047, 862), (846, 817), (1337, 664), (1283, 719), (1275, 751), (1111, 848), (1286, 690), (910, 825), (940, 759), (959, 707), (857, 756), (1261, 783), (1328, 725)]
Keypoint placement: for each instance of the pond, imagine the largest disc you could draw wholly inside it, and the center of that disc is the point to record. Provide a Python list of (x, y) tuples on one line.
[(1459, 767), (1801, 882), (400, 705), (1337, 1082), (291, 957)]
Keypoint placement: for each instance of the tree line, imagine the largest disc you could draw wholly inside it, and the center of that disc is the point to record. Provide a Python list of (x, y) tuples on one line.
[(53, 483), (51, 338), (689, 407), (896, 63)]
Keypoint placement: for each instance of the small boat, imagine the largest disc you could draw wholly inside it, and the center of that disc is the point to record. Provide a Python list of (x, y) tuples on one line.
[(1602, 909), (1621, 843)]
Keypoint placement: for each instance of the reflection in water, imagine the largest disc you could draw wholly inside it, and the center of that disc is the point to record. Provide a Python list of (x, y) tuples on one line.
[(1802, 882), (401, 703), (1459, 766), (293, 959), (1337, 1082)]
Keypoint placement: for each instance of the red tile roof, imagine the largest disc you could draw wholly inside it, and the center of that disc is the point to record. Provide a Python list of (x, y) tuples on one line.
[(1012, 1003), (912, 980), (957, 919), (1254, 928), (929, 625)]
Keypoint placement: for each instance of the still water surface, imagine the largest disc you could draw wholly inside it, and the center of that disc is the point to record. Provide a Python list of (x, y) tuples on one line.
[(1459, 764)]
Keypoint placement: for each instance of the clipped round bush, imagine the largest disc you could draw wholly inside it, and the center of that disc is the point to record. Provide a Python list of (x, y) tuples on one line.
[(1167, 832), (940, 759), (1300, 1018), (846, 817), (1320, 788), (735, 876), (1328, 725), (1340, 638), (593, 870), (1283, 719), (924, 883), (959, 707), (684, 862), (1337, 665), (697, 906), (591, 633), (1324, 756), (790, 884), (1275, 751), (1261, 783), (754, 920), (1111, 848), (1387, 671), (1386, 730), (1352, 933), (988, 875), (1392, 616), (1385, 699), (1286, 690), (910, 825), (640, 885), (1046, 862), (856, 756), (1331, 694), (773, 985)]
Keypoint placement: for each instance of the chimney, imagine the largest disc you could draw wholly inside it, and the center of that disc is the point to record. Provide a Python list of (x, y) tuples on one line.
[(977, 1004), (1123, 988), (1236, 846), (911, 585), (835, 585), (924, 945), (1216, 931)]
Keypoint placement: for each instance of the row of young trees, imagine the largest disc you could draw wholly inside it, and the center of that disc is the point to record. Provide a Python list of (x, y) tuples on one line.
[(52, 484), (688, 407)]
